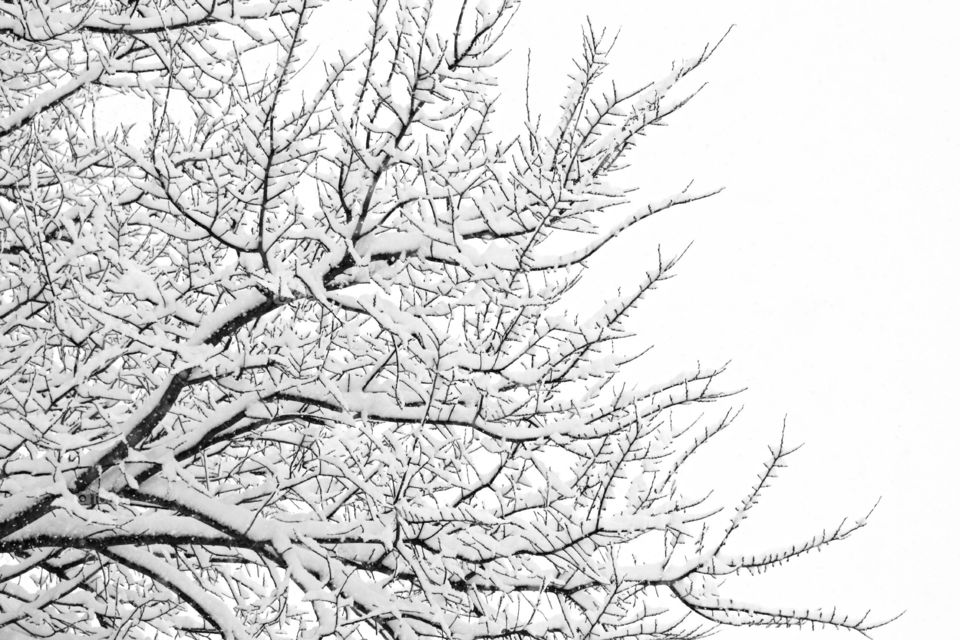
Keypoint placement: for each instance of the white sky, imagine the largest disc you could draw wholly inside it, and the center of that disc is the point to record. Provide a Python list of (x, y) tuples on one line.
[(826, 271)]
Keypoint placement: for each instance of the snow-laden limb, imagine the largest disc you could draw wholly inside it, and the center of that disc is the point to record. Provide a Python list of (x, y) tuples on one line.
[(221, 619), (38, 25), (14, 611), (722, 564), (287, 347), (740, 613), (51, 98), (115, 47)]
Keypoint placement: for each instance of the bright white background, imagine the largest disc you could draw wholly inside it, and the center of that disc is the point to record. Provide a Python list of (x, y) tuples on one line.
[(827, 271)]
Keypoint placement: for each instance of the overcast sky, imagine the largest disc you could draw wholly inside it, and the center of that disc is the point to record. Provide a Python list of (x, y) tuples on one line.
[(827, 270)]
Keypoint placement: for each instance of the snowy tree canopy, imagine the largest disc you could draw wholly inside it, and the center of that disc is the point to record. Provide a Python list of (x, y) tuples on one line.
[(285, 350)]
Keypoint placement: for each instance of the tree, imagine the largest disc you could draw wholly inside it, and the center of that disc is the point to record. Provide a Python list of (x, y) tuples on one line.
[(285, 347)]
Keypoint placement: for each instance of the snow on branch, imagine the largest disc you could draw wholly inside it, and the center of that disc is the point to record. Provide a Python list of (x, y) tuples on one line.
[(299, 348)]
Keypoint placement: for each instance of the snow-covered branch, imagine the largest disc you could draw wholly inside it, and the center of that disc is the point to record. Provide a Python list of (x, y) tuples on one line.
[(294, 348)]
